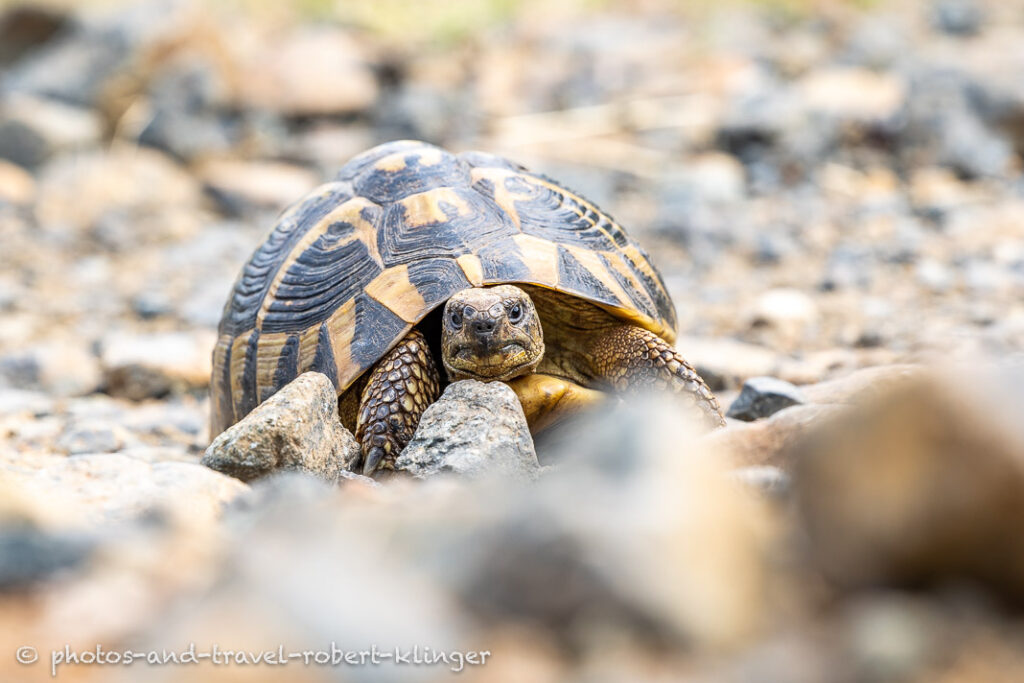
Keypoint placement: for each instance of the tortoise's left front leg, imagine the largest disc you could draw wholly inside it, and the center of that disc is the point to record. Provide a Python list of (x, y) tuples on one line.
[(400, 387), (627, 358)]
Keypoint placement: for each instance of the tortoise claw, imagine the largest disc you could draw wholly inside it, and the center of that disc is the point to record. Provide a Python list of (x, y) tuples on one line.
[(372, 460)]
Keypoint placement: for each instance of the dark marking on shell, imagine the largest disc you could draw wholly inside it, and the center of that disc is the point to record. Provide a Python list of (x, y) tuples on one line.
[(376, 328), (323, 360), (287, 362), (437, 279), (381, 186), (252, 284), (399, 242), (225, 406), (574, 276), (503, 262), (322, 278), (248, 400)]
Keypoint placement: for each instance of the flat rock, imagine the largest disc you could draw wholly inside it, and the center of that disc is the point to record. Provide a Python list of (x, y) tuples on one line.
[(261, 184), (98, 488), (767, 442), (861, 385), (763, 397), (474, 429), (295, 429)]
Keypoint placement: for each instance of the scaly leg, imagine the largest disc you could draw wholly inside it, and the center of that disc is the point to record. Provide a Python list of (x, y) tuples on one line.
[(626, 358), (400, 387)]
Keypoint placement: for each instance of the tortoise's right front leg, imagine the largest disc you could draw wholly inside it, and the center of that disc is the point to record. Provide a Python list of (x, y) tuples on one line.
[(400, 387)]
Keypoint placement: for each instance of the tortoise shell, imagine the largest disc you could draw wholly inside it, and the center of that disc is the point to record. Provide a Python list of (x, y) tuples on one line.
[(351, 267)]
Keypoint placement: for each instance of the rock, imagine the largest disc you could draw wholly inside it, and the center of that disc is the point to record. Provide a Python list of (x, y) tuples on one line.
[(625, 480), (295, 429), (138, 366), (712, 177), (34, 129), (473, 429), (921, 486), (420, 113), (62, 367), (787, 314), (724, 363), (956, 17), (768, 442), (971, 149), (257, 184), (24, 28), (771, 441), (862, 385), (281, 80), (151, 196), (771, 481), (187, 135), (21, 145), (102, 488), (17, 186), (72, 67), (853, 93), (13, 401), (188, 97), (30, 555), (763, 397), (98, 437)]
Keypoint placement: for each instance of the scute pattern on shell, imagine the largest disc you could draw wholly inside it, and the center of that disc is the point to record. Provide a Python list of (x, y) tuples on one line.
[(350, 268)]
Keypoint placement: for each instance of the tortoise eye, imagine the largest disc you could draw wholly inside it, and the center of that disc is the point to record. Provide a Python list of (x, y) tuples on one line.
[(456, 318), (515, 314)]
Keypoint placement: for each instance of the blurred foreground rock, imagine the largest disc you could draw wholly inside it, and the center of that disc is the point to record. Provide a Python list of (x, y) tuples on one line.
[(771, 441), (295, 429), (922, 486), (473, 429)]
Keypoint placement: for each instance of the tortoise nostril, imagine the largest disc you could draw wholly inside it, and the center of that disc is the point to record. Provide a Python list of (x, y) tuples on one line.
[(483, 326)]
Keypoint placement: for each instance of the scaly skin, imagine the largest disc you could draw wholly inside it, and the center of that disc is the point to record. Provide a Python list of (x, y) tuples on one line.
[(400, 387), (627, 358)]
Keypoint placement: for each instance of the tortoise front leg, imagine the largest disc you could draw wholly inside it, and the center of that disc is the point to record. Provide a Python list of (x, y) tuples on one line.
[(548, 400), (627, 358), (400, 387)]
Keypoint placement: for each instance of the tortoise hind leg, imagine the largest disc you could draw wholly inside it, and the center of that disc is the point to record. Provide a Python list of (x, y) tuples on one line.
[(627, 358), (400, 387)]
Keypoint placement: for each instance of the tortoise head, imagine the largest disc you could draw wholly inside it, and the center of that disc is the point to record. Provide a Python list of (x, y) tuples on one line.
[(491, 333)]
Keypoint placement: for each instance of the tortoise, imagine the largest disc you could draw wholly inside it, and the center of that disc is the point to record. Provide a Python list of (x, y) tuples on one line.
[(412, 259)]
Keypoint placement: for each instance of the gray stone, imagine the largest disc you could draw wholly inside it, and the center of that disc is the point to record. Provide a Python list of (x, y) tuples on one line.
[(72, 68), (957, 17), (295, 429), (473, 429), (762, 397), (94, 437), (30, 555)]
